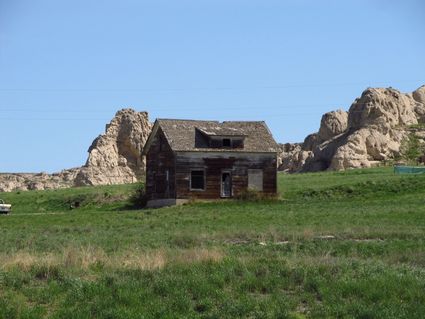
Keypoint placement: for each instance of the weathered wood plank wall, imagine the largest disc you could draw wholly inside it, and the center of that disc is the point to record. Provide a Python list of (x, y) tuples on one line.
[(160, 159), (213, 164)]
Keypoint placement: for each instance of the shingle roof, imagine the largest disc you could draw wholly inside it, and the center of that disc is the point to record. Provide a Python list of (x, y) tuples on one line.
[(219, 130), (187, 135)]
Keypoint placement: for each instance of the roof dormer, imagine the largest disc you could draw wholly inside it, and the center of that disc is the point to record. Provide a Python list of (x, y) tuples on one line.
[(227, 138)]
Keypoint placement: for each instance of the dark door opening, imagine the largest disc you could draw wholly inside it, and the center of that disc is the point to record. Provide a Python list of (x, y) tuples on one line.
[(226, 184)]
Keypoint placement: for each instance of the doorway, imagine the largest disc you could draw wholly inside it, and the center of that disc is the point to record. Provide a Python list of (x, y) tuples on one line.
[(226, 184)]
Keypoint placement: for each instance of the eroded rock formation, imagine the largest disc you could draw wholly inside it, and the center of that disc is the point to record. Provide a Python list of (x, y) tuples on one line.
[(114, 158), (38, 181), (293, 157), (370, 132), (332, 124)]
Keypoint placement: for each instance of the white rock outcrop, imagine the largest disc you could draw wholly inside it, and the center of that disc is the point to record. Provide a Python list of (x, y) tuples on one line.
[(370, 132), (332, 124), (38, 181), (292, 157), (114, 158), (419, 95)]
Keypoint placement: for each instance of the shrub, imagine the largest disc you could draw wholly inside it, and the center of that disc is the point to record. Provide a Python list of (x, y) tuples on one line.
[(411, 149), (138, 199), (77, 201)]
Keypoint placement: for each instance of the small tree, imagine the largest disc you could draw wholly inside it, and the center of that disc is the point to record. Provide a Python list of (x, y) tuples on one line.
[(411, 149)]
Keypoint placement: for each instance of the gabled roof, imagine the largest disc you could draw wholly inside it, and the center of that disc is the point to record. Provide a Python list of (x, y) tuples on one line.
[(189, 135)]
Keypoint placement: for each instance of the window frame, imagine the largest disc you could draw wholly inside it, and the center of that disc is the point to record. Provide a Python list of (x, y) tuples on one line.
[(190, 180)]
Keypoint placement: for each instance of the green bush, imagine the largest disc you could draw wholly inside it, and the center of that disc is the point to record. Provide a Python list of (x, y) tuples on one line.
[(138, 199), (411, 149)]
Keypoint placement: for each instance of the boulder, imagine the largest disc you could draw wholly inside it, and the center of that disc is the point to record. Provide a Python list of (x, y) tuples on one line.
[(332, 124), (365, 148), (383, 109), (419, 95), (292, 157), (92, 175), (310, 142)]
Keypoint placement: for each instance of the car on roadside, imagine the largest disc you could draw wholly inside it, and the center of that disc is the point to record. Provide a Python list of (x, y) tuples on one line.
[(5, 208)]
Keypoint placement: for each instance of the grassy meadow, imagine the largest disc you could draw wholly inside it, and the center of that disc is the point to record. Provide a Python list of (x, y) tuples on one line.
[(335, 245)]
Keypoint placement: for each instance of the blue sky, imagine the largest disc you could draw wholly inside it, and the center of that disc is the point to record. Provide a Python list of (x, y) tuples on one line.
[(66, 67)]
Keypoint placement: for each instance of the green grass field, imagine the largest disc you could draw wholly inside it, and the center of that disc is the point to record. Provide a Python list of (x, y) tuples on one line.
[(336, 245)]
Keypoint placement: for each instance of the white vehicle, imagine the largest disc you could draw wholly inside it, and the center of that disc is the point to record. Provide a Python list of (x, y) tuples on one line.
[(5, 208)]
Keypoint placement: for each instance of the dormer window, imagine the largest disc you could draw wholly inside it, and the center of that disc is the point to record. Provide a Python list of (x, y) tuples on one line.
[(227, 142), (218, 137)]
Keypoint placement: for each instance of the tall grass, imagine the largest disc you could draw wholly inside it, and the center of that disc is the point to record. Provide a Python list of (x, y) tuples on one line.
[(335, 245), (86, 258)]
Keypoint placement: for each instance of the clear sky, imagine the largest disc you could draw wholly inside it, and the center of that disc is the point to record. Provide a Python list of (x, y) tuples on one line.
[(66, 67)]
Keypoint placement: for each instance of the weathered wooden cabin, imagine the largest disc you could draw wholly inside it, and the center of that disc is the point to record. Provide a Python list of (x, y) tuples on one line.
[(188, 159)]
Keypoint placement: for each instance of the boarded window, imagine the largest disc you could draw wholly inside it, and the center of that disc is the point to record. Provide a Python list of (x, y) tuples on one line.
[(197, 180), (255, 179)]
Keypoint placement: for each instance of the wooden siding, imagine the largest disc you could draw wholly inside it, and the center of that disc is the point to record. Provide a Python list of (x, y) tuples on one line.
[(214, 164), (159, 160)]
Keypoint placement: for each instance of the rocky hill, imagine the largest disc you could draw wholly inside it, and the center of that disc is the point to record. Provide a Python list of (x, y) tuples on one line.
[(370, 132), (114, 158), (37, 181)]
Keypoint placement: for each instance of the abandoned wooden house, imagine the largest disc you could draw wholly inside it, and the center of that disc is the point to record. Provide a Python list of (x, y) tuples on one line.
[(188, 159)]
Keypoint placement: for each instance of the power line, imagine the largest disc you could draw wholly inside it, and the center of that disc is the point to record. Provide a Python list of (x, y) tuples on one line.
[(221, 108), (164, 108), (284, 86), (304, 114), (296, 111)]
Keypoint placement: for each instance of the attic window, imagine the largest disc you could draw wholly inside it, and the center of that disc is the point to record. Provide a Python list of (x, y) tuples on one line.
[(227, 142)]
